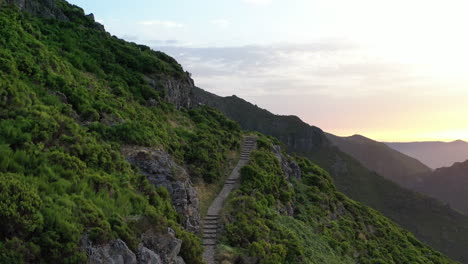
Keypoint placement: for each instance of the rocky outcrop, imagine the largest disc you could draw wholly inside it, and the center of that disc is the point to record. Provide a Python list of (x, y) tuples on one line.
[(50, 9), (177, 91), (167, 246), (114, 252), (162, 170), (155, 248), (42, 8), (290, 168)]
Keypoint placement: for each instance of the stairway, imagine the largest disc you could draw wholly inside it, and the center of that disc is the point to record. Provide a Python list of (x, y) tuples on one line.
[(210, 222)]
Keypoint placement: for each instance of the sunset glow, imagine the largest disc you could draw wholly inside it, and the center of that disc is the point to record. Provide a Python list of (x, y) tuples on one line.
[(401, 64)]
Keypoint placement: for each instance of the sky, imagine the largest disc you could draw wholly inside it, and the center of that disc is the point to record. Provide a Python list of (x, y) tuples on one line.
[(390, 70)]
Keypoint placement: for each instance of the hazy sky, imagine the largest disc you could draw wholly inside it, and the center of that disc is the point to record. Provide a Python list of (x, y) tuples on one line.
[(391, 70)]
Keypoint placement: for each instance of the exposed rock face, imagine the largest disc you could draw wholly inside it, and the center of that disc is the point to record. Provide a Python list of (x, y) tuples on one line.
[(48, 9), (155, 248), (146, 256), (161, 170), (177, 91), (168, 246), (42, 8), (290, 168), (115, 252)]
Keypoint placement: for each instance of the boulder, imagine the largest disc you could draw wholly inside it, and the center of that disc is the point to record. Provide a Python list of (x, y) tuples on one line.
[(167, 245), (114, 252), (162, 170)]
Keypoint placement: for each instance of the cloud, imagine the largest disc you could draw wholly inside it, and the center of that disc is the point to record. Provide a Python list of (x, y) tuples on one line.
[(334, 68), (257, 2), (165, 24), (221, 23)]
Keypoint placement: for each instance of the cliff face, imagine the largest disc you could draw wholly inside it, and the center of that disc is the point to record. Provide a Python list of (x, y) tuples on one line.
[(41, 8), (52, 9), (161, 170), (178, 91)]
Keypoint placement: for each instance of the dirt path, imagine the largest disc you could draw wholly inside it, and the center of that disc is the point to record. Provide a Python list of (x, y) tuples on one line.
[(210, 223)]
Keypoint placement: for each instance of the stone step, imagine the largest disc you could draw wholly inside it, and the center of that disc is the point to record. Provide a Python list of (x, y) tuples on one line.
[(209, 236), (210, 231), (205, 227), (212, 222), (211, 216)]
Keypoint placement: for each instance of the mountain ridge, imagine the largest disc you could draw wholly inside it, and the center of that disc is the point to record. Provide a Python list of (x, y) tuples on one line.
[(407, 208), (435, 154), (105, 154), (380, 158)]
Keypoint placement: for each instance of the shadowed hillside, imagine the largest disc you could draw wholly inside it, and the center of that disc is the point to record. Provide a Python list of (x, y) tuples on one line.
[(448, 184), (380, 158)]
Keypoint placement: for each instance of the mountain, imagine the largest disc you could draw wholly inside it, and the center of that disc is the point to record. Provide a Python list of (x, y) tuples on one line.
[(434, 154), (107, 156), (380, 158), (428, 219), (448, 184)]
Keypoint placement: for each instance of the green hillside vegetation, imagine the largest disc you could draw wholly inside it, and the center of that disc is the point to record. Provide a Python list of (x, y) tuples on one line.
[(431, 221), (70, 97), (327, 227)]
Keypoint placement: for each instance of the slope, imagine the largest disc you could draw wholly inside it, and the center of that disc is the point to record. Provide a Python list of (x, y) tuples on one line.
[(100, 151), (434, 154), (380, 158), (73, 98), (287, 210), (448, 184), (429, 220)]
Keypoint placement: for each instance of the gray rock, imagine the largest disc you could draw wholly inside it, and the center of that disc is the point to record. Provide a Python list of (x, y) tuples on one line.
[(115, 252), (177, 91), (290, 168), (147, 256), (167, 246), (162, 170), (42, 8), (179, 260), (48, 9)]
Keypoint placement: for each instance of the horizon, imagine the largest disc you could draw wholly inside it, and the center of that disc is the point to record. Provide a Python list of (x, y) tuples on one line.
[(348, 68)]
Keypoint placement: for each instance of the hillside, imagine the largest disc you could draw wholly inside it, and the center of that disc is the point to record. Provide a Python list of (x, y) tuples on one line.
[(434, 154), (106, 156), (287, 210), (380, 158), (428, 219), (448, 184)]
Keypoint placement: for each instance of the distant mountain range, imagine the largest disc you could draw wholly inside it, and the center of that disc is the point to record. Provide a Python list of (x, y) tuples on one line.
[(378, 157), (434, 154), (447, 184)]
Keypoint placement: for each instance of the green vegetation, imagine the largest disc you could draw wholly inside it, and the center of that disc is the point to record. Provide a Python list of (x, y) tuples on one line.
[(309, 221), (70, 97), (431, 221)]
